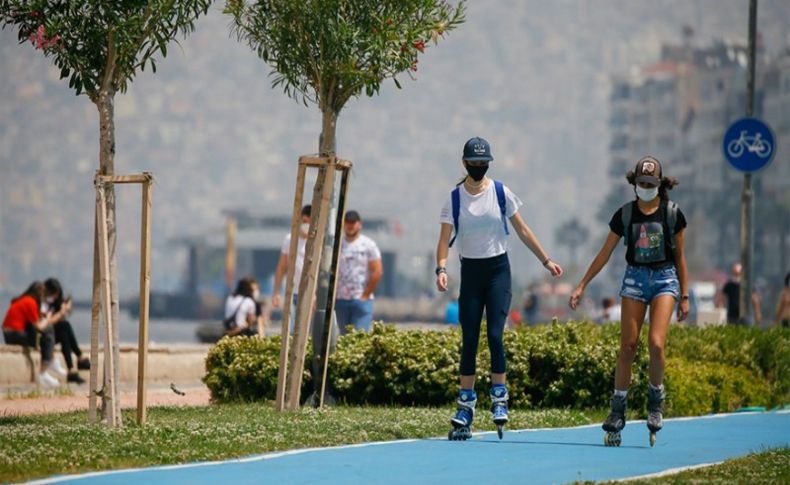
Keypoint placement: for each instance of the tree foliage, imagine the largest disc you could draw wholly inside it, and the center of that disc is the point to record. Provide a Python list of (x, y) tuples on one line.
[(100, 45), (327, 51)]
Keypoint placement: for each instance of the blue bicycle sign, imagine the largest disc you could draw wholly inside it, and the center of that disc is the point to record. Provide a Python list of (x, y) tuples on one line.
[(749, 144)]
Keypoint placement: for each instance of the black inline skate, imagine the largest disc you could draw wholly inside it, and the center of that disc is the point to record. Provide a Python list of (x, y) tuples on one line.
[(655, 411), (615, 422)]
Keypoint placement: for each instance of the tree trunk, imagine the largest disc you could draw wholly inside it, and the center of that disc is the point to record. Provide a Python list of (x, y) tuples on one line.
[(105, 104), (326, 147)]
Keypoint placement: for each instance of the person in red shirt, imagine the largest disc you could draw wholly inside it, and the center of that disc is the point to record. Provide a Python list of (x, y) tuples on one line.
[(24, 325)]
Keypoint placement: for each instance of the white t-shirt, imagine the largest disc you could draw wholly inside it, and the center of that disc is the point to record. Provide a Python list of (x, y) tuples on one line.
[(300, 245), (245, 306), (354, 260), (481, 234)]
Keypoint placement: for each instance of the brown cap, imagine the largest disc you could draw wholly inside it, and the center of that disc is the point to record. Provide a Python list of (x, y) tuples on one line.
[(648, 170)]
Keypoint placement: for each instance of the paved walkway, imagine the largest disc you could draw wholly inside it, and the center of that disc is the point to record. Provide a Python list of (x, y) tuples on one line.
[(529, 456), (195, 394)]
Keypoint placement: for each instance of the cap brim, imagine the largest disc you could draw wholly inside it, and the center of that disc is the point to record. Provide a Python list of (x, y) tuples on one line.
[(648, 179), (478, 159)]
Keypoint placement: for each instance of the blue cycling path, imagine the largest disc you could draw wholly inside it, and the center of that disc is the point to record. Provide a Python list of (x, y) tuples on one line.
[(536, 456)]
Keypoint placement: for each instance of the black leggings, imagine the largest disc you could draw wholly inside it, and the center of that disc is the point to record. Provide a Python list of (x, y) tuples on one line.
[(64, 335), (28, 339), (484, 283)]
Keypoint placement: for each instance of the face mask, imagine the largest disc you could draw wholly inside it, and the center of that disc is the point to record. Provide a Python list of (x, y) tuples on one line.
[(256, 294), (304, 228), (646, 194), (477, 173), (50, 299)]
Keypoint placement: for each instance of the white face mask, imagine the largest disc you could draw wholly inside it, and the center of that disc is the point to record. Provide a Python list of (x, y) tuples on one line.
[(256, 294), (304, 228), (646, 194)]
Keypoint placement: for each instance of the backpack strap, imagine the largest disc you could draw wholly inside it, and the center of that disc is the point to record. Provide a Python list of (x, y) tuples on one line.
[(672, 219), (455, 198), (500, 197), (625, 217)]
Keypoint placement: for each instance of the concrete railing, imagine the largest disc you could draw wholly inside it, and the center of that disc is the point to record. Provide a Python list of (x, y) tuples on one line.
[(166, 363)]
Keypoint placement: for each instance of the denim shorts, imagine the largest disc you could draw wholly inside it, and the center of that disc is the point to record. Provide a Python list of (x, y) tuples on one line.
[(643, 284)]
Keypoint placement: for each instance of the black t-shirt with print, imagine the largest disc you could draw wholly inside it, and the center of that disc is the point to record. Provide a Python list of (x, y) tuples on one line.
[(648, 244)]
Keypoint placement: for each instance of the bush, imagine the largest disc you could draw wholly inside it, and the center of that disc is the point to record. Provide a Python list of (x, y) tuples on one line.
[(765, 352), (245, 369), (555, 365), (699, 388)]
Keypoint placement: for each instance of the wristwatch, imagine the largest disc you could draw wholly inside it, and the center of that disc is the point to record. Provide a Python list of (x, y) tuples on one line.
[(440, 269), (684, 297)]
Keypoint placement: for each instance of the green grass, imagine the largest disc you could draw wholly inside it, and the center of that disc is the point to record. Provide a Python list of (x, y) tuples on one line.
[(768, 467), (38, 446)]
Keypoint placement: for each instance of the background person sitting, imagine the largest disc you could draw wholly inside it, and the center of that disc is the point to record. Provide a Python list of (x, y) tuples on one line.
[(64, 333), (240, 310), (24, 324)]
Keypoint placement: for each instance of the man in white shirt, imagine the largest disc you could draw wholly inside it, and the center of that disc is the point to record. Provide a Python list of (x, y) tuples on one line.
[(359, 274), (282, 264)]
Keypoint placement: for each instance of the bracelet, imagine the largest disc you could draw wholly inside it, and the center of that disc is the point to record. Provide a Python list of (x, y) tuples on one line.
[(440, 270), (546, 261), (684, 297)]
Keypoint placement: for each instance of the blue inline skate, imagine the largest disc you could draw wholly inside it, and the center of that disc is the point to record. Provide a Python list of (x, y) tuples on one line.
[(462, 421), (499, 398), (615, 422), (655, 411)]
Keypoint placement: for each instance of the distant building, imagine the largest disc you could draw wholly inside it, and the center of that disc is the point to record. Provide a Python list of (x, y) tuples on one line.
[(677, 109)]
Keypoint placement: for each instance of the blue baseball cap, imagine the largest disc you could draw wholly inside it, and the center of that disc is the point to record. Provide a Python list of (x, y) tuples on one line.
[(477, 150)]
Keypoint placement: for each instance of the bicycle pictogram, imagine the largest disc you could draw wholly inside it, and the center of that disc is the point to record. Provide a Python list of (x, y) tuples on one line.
[(751, 144)]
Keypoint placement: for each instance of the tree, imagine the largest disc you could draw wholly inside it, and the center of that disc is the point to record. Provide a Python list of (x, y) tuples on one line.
[(325, 52), (99, 46)]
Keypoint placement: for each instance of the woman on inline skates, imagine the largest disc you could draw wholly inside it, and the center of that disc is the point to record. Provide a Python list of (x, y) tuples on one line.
[(653, 228), (477, 211)]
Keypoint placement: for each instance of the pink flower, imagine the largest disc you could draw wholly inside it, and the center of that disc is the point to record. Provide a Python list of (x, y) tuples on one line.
[(40, 41)]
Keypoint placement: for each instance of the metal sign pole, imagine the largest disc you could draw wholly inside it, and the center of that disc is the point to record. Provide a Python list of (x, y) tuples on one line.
[(747, 196)]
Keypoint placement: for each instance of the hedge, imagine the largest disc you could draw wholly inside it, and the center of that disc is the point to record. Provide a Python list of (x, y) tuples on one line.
[(554, 365)]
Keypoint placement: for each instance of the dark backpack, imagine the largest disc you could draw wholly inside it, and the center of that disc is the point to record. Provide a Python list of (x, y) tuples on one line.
[(670, 219), (455, 197)]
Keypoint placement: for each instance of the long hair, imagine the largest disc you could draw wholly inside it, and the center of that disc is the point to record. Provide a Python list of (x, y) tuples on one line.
[(244, 287), (36, 290), (667, 183), (53, 287)]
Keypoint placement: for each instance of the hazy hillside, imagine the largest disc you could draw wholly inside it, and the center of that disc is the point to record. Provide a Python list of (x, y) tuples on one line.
[(531, 76)]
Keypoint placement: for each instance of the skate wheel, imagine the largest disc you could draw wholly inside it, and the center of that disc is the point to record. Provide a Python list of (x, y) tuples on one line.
[(500, 430), (612, 439), (459, 434), (652, 439)]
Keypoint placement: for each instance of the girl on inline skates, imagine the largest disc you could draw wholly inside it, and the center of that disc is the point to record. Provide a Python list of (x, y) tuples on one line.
[(476, 213), (653, 228)]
